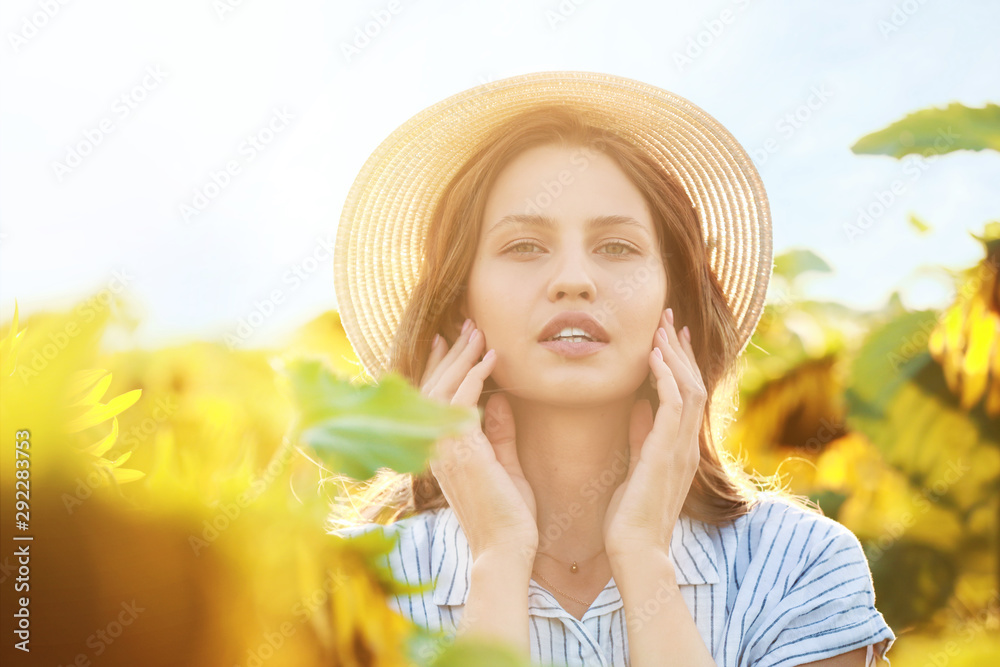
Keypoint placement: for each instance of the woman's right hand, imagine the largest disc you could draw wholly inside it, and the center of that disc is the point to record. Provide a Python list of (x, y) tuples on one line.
[(479, 473)]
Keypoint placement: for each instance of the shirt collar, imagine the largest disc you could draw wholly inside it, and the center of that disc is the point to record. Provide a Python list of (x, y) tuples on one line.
[(691, 551)]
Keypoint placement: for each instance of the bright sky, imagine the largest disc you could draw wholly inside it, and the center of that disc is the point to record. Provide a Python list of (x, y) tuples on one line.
[(161, 95)]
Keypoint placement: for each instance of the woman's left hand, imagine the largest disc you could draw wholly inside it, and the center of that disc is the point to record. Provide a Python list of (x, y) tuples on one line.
[(663, 452)]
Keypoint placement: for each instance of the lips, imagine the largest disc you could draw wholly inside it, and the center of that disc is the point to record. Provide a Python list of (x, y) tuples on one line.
[(572, 350), (575, 319)]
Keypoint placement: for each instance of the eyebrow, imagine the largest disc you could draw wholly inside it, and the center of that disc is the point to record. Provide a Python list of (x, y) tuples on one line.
[(543, 222)]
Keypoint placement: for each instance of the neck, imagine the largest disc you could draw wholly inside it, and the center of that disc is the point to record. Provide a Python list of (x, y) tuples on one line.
[(574, 458)]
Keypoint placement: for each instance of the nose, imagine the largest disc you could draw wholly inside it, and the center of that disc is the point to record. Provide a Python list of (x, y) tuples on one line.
[(572, 277)]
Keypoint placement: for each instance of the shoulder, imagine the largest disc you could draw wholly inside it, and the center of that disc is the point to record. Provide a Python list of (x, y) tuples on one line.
[(413, 538), (786, 534), (414, 528), (805, 589)]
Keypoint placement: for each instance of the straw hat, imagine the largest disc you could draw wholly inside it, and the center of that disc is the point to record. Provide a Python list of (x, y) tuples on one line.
[(379, 247)]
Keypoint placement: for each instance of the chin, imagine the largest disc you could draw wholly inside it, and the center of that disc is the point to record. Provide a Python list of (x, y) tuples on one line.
[(576, 391)]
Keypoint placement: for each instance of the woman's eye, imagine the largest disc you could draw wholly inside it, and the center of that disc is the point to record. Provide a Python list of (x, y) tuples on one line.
[(627, 246), (524, 248), (520, 244)]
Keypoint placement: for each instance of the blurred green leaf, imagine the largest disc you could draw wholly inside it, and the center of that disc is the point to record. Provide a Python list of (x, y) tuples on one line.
[(990, 235), (793, 263), (357, 429), (936, 131), (479, 652), (899, 400), (915, 581), (372, 543), (830, 501), (891, 356)]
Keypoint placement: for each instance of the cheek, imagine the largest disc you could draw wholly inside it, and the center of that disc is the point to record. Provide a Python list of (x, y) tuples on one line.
[(645, 320)]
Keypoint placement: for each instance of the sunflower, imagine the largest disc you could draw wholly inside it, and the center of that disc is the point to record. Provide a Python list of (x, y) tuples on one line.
[(966, 340)]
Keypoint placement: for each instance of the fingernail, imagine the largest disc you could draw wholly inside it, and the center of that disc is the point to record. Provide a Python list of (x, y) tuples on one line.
[(662, 332), (489, 355), (687, 333), (657, 352), (465, 325), (670, 315), (473, 335), (437, 339)]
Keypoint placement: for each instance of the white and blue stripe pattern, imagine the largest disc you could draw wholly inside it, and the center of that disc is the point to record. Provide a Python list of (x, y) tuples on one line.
[(778, 587)]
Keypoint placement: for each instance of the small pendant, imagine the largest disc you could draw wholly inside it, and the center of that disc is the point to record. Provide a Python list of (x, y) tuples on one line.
[(574, 568)]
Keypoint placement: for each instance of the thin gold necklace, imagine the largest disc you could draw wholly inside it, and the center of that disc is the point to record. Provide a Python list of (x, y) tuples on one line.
[(573, 568), (549, 583)]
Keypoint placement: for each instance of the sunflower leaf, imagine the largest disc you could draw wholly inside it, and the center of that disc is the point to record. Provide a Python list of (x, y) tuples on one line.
[(936, 131), (357, 429)]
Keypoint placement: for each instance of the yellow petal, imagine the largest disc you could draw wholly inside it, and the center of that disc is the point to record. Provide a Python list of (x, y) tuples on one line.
[(125, 475), (121, 459), (93, 395), (100, 447), (951, 355), (82, 380), (993, 394), (982, 330), (103, 412)]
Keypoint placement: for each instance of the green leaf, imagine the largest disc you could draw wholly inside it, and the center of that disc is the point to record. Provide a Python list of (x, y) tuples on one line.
[(915, 581), (372, 543), (890, 357), (481, 652), (357, 429), (830, 501), (899, 400), (990, 235), (936, 131), (793, 263)]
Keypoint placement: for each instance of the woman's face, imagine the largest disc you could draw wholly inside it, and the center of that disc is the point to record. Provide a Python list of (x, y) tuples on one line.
[(541, 254)]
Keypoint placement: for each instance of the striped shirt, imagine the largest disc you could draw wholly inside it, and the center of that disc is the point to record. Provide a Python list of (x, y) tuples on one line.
[(778, 587)]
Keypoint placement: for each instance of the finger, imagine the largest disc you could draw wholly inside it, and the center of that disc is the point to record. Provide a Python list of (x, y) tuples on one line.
[(691, 392), (471, 387), (673, 340), (676, 357), (468, 393), (672, 355), (447, 376), (438, 349), (689, 349), (667, 420), (453, 376), (451, 352)]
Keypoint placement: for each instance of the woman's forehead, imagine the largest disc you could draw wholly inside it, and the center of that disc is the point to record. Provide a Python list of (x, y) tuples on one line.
[(551, 185)]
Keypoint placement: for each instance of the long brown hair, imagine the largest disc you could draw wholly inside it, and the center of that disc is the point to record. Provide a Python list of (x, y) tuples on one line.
[(721, 490)]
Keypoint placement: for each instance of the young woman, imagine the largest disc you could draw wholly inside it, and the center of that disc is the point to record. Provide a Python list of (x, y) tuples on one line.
[(584, 258)]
